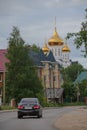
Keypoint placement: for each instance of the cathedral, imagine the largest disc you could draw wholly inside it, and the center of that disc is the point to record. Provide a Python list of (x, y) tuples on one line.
[(59, 49), (52, 56)]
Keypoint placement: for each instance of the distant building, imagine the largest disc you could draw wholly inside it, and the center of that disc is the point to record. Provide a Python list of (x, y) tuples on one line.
[(59, 49)]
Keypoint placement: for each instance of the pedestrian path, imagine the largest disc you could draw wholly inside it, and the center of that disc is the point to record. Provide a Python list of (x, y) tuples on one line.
[(76, 120)]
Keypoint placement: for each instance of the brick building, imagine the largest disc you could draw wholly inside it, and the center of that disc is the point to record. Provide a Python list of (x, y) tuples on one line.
[(48, 71), (3, 60)]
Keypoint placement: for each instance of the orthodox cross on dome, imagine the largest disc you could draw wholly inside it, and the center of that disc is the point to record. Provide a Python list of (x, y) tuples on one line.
[(55, 23), (55, 40)]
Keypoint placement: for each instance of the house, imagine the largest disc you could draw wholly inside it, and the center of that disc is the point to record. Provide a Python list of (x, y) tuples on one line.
[(3, 60)]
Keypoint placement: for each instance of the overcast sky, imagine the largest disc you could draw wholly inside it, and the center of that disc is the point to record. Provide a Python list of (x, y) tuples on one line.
[(36, 20)]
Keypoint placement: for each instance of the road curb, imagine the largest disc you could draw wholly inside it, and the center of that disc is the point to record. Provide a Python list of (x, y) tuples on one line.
[(15, 110), (4, 111), (45, 108)]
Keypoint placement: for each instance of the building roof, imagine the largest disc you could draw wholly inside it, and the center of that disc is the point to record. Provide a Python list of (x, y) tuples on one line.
[(57, 92), (55, 39), (82, 76), (40, 57), (65, 48), (50, 57), (46, 57), (45, 48), (36, 57), (3, 59)]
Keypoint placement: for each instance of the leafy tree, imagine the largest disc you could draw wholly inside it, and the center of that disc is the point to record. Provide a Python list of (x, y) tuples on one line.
[(71, 72), (83, 88), (69, 75), (80, 38), (35, 48), (21, 78), (69, 91)]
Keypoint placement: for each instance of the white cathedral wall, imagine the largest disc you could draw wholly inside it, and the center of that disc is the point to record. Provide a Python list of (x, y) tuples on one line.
[(57, 51), (61, 57)]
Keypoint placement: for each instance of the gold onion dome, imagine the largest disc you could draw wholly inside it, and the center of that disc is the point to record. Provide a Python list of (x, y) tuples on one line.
[(45, 48), (55, 39), (65, 48)]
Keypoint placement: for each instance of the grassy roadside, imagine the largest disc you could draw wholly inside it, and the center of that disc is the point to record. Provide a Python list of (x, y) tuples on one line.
[(6, 107), (64, 104), (74, 104)]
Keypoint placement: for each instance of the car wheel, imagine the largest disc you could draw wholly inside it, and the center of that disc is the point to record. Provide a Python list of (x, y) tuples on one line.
[(20, 116), (39, 116)]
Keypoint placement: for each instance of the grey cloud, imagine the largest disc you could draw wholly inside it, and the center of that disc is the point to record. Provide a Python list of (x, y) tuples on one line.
[(35, 18)]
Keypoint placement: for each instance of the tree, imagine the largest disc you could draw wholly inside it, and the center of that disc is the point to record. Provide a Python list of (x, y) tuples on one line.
[(71, 72), (35, 48), (69, 75), (80, 38), (21, 78), (83, 88), (69, 91)]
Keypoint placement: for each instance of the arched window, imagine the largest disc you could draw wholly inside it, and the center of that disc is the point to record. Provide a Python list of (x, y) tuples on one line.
[(58, 51)]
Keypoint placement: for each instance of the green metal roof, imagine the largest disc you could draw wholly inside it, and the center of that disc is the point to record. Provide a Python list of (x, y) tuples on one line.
[(82, 76)]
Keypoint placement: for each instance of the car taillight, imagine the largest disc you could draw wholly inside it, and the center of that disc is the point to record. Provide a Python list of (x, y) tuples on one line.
[(36, 107), (20, 107)]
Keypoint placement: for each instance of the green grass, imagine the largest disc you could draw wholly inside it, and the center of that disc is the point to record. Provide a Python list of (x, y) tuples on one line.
[(64, 104), (5, 107), (74, 104)]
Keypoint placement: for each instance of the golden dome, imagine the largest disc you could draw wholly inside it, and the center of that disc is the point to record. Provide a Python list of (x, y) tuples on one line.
[(65, 48), (55, 39), (45, 48)]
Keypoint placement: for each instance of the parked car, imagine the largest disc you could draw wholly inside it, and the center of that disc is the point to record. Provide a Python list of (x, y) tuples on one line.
[(29, 107)]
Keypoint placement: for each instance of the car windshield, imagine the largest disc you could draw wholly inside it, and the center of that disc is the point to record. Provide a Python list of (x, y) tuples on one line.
[(29, 101)]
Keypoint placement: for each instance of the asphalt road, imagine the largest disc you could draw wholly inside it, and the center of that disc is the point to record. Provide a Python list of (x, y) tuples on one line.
[(9, 121)]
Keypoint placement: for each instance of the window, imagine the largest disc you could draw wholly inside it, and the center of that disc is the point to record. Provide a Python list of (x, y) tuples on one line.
[(0, 78), (54, 78), (58, 52), (52, 49), (0, 91), (55, 52), (44, 78)]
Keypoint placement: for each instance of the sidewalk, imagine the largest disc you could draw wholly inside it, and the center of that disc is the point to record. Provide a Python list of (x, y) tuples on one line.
[(76, 120)]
